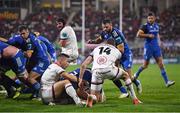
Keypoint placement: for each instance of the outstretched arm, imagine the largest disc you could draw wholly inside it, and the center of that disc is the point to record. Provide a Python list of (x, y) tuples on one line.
[(96, 41), (68, 76), (3, 39), (84, 65)]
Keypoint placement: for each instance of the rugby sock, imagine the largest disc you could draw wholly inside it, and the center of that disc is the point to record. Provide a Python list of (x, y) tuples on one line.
[(164, 75), (17, 81), (9, 81), (136, 82), (72, 93), (119, 85), (130, 88), (139, 71), (36, 86)]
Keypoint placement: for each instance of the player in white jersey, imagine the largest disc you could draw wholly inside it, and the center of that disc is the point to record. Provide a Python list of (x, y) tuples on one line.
[(104, 58), (51, 88), (67, 40)]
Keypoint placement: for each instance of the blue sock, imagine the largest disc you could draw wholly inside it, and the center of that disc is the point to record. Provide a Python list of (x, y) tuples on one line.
[(123, 89), (139, 71), (136, 82), (17, 81), (119, 85), (36, 86), (164, 75), (27, 90)]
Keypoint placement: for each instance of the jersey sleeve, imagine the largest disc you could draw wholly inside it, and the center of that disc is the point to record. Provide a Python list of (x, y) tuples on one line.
[(64, 33), (119, 38), (59, 70), (144, 28), (13, 40)]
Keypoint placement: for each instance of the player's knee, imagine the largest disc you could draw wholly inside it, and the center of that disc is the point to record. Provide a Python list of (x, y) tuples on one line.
[(145, 66), (161, 65), (66, 81)]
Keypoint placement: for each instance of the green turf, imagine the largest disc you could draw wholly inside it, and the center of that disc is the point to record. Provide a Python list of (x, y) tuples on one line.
[(156, 97)]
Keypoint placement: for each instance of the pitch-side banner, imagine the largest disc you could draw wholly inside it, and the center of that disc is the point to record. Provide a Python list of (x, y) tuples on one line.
[(9, 13)]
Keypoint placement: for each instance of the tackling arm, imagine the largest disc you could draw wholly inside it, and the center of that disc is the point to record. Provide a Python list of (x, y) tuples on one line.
[(3, 39), (84, 65), (96, 41), (120, 47), (68, 76)]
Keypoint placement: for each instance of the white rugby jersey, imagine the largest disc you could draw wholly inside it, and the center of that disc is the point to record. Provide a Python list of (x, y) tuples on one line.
[(51, 75), (71, 49), (105, 56)]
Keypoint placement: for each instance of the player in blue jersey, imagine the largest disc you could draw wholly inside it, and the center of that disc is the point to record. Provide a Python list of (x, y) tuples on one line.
[(38, 57), (50, 48), (36, 53), (12, 58), (150, 32), (126, 61)]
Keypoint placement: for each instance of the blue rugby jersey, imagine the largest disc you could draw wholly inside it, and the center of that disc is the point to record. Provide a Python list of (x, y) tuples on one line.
[(50, 48), (119, 38), (151, 29)]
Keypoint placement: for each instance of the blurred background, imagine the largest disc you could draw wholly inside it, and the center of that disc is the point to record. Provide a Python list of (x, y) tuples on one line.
[(40, 16)]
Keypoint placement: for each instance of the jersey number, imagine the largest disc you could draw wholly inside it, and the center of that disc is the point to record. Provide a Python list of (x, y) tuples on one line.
[(106, 50)]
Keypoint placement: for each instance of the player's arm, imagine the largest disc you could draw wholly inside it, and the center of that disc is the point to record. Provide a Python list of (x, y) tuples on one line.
[(95, 41), (3, 39), (120, 47), (159, 39), (63, 39), (68, 76), (142, 33), (28, 53), (119, 42), (64, 42), (83, 67)]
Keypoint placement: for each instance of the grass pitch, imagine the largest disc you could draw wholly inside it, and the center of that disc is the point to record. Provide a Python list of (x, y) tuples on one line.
[(155, 96)]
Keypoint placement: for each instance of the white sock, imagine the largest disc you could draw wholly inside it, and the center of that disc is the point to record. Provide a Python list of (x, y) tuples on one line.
[(130, 88), (72, 93)]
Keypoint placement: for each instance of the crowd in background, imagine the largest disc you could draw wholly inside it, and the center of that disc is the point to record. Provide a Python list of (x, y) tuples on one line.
[(43, 21)]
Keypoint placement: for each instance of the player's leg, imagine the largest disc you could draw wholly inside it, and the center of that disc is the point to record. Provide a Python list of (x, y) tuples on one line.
[(35, 74), (127, 65), (159, 61), (147, 57), (123, 74), (65, 84), (7, 83), (35, 84), (122, 89), (95, 92)]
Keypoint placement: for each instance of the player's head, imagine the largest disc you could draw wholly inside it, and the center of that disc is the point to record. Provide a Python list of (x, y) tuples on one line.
[(24, 31), (107, 25), (110, 41), (63, 60), (60, 23), (151, 17)]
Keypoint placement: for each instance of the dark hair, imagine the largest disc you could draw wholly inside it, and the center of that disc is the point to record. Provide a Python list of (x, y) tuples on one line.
[(61, 20), (63, 55), (22, 27), (107, 20), (151, 14), (110, 41)]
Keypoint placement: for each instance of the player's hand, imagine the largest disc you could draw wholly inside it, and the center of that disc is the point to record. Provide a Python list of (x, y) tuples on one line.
[(150, 35), (28, 53), (90, 41), (80, 84)]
